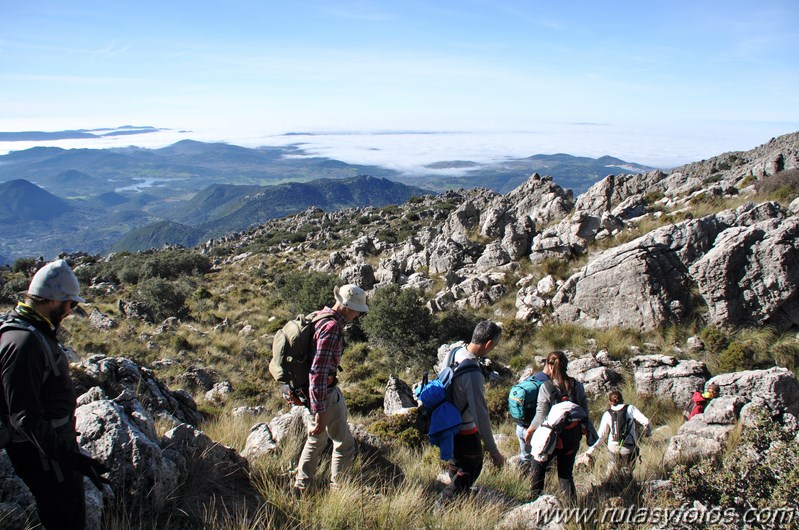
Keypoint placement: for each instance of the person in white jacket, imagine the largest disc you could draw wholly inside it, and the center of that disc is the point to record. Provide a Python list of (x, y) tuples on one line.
[(617, 428)]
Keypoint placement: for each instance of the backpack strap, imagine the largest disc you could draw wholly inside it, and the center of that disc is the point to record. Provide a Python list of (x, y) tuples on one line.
[(463, 368), (12, 322)]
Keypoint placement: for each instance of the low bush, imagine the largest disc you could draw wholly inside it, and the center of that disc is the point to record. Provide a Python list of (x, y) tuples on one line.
[(399, 429), (761, 472), (166, 298), (307, 291)]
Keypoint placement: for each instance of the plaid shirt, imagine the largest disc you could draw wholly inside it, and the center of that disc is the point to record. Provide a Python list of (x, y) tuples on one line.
[(329, 341)]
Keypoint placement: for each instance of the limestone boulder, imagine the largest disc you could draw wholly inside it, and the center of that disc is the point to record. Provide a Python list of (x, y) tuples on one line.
[(16, 501), (541, 514), (138, 467), (597, 378), (751, 276), (101, 321), (398, 397), (115, 375), (742, 397), (663, 375)]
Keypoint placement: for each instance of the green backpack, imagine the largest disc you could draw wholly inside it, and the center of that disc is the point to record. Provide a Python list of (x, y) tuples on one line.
[(291, 353), (523, 399)]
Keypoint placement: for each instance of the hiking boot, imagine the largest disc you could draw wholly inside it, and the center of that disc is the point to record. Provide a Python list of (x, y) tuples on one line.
[(297, 492)]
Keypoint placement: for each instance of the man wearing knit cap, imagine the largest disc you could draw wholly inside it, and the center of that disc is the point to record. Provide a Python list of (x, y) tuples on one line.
[(326, 401), (38, 401)]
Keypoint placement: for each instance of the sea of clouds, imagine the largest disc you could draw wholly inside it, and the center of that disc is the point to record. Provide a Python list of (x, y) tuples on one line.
[(410, 152)]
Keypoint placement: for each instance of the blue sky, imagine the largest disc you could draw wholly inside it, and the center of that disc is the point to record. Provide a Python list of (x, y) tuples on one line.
[(718, 74)]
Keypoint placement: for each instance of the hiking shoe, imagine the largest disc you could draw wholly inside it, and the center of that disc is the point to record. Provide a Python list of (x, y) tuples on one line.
[(297, 492)]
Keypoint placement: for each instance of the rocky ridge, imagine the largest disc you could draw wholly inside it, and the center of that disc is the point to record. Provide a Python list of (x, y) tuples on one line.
[(742, 261)]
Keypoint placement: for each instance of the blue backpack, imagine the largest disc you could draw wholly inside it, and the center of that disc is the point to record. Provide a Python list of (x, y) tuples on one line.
[(438, 416), (523, 400)]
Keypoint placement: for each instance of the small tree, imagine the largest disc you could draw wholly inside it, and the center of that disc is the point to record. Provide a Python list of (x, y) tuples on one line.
[(307, 291), (166, 298), (399, 322)]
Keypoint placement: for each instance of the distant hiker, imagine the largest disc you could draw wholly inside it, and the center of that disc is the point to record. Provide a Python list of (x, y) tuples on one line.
[(560, 388), (38, 400), (699, 400), (326, 401), (522, 414), (618, 425), (468, 395)]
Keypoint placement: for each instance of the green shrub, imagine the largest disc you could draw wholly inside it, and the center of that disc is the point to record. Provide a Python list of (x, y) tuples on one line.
[(785, 354), (714, 338), (364, 400), (761, 472), (26, 266), (307, 291), (172, 264), (14, 290), (399, 322), (783, 186), (401, 429), (454, 324), (165, 297), (737, 356), (557, 267), (497, 400)]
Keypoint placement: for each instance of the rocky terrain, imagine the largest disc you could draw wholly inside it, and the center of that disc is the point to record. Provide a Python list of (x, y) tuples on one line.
[(635, 252)]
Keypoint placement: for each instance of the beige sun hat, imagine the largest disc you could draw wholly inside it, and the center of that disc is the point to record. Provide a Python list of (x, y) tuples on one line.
[(352, 297)]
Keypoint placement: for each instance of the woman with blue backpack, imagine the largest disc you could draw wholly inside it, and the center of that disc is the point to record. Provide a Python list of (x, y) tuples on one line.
[(561, 389)]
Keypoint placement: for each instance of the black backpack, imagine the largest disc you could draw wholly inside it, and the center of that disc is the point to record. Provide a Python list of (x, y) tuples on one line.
[(8, 322), (621, 427)]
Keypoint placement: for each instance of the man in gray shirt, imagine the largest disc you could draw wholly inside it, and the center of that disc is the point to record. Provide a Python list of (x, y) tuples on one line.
[(468, 395)]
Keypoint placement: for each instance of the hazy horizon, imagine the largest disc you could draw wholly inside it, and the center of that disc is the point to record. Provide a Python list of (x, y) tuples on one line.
[(409, 152), (657, 84)]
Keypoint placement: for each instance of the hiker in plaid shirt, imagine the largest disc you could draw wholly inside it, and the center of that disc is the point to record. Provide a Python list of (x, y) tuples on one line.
[(326, 401)]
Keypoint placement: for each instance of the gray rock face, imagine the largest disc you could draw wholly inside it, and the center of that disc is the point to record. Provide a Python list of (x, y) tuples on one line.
[(115, 375), (662, 375), (138, 467), (541, 200), (638, 285), (137, 310), (751, 276), (398, 397), (597, 378), (265, 437), (101, 321), (16, 501), (361, 274), (646, 282), (204, 457), (260, 441), (775, 389), (741, 394)]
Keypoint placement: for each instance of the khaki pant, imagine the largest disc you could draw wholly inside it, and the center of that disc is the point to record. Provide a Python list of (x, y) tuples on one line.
[(335, 416)]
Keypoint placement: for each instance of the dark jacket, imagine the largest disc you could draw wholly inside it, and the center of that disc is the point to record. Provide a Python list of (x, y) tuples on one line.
[(33, 395)]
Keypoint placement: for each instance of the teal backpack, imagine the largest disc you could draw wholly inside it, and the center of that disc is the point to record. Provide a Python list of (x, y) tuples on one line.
[(523, 399)]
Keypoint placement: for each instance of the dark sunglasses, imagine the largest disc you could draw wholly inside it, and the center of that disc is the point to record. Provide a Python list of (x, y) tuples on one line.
[(551, 363), (73, 304)]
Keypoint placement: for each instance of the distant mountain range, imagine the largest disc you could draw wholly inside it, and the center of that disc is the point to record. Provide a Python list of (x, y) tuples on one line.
[(132, 198), (231, 208), (38, 136)]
